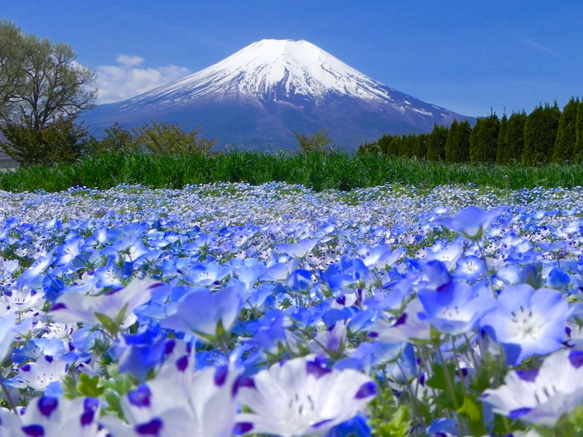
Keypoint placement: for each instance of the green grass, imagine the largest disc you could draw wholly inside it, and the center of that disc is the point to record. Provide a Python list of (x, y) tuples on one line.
[(340, 171)]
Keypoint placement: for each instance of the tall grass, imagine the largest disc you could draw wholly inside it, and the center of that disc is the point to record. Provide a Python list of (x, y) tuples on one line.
[(340, 171)]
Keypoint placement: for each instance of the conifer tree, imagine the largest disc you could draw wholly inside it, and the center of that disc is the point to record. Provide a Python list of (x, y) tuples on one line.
[(436, 143), (451, 133), (384, 143), (420, 149), (514, 135), (457, 145), (566, 133), (540, 133), (578, 149), (502, 150), (484, 139), (395, 146), (407, 144)]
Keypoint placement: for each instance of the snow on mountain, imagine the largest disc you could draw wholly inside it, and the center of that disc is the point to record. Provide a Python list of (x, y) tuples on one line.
[(268, 66), (263, 92)]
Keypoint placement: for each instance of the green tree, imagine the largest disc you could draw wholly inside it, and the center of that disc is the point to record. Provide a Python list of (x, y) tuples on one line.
[(11, 53), (394, 146), (578, 148), (514, 135), (117, 140), (420, 146), (457, 145), (406, 144), (566, 132), (169, 139), (370, 149), (40, 81), (484, 139), (540, 133), (384, 143), (436, 143), (42, 89), (318, 141), (503, 152), (63, 140)]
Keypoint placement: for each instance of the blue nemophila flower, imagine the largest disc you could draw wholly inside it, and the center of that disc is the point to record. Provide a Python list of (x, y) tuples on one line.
[(541, 396), (202, 274), (514, 274), (38, 347), (140, 353), (299, 249), (558, 278), (410, 325), (380, 256), (299, 280), (302, 397), (74, 253), (527, 322), (52, 417), (345, 273), (455, 308), (470, 222), (34, 275), (203, 312), (447, 255), (108, 275), (443, 427), (470, 268)]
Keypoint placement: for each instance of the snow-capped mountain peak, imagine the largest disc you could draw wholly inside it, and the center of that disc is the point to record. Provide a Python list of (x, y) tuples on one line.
[(261, 94), (274, 69)]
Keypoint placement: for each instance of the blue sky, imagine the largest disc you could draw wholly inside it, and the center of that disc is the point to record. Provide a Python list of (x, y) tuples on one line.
[(466, 55)]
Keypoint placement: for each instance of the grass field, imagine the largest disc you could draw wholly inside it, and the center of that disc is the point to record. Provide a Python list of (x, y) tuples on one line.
[(316, 171)]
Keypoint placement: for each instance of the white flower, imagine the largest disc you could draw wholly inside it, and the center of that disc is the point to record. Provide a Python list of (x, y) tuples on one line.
[(179, 402), (541, 396), (38, 375), (300, 397), (116, 305), (52, 417)]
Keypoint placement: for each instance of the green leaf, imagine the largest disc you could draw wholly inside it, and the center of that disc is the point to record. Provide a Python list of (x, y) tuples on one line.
[(69, 387), (109, 325), (89, 386), (472, 410), (438, 379)]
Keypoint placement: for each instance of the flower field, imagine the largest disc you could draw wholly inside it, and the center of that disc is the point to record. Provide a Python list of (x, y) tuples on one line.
[(226, 308)]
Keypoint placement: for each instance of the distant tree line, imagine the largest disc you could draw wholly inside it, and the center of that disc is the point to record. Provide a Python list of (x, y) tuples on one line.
[(546, 135)]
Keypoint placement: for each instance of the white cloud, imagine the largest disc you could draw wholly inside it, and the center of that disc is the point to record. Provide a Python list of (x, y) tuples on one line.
[(125, 80), (129, 61)]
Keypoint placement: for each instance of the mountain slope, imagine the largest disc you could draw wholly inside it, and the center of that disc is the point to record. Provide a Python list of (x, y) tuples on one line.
[(259, 95)]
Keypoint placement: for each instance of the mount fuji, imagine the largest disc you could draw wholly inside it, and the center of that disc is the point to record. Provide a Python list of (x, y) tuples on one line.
[(257, 97)]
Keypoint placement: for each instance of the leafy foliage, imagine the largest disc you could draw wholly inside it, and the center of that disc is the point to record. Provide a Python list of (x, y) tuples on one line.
[(42, 90), (318, 141), (169, 139), (484, 139), (436, 144), (117, 140), (458, 140), (62, 141), (567, 132), (40, 81), (540, 132)]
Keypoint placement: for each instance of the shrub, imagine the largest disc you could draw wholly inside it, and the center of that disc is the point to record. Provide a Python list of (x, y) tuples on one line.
[(117, 140), (169, 139), (318, 141), (62, 141)]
